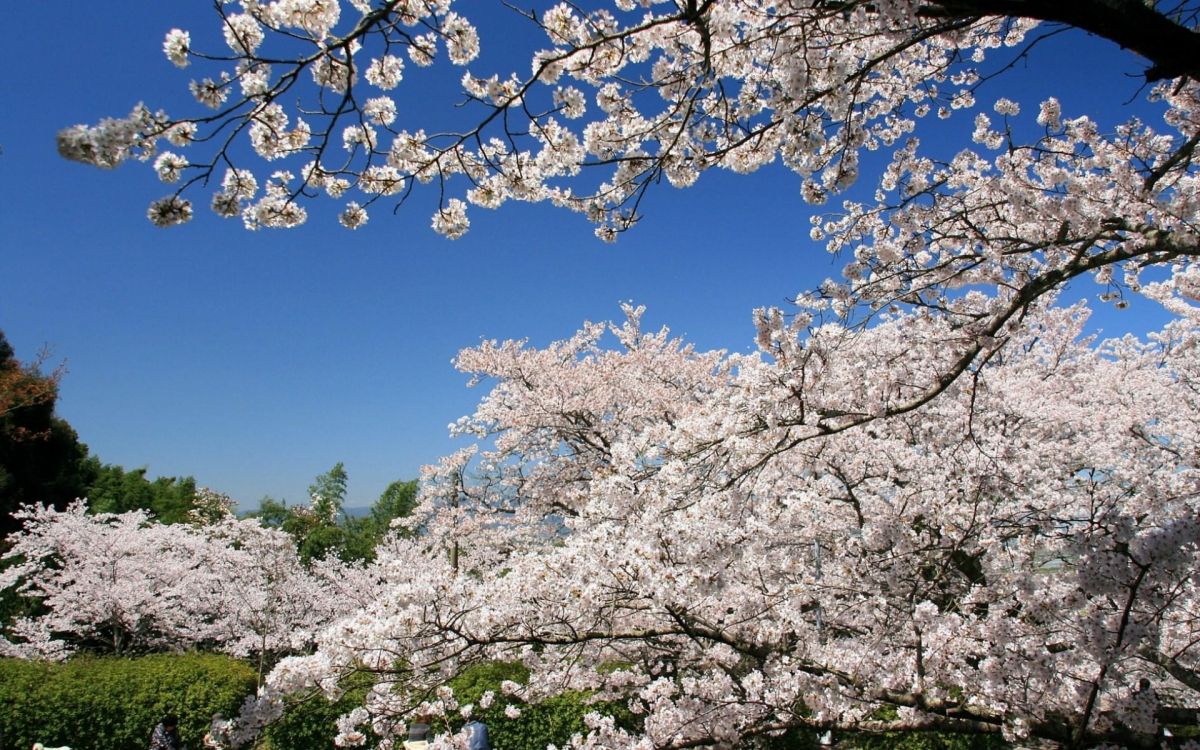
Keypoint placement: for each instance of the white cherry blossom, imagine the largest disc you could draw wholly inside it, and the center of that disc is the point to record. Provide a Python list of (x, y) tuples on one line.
[(927, 495)]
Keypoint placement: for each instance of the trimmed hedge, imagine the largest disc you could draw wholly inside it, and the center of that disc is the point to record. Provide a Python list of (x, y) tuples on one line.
[(550, 722), (110, 703), (925, 741), (919, 740), (312, 724)]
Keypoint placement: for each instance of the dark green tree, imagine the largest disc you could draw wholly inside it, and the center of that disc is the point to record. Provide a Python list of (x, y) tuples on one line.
[(397, 501), (41, 458), (319, 529), (324, 539), (314, 536), (271, 512), (364, 534), (116, 490), (319, 533)]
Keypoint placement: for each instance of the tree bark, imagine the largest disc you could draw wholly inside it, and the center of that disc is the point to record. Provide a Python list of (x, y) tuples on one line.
[(1172, 49)]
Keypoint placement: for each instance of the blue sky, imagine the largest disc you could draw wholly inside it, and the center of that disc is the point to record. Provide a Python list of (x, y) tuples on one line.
[(254, 361)]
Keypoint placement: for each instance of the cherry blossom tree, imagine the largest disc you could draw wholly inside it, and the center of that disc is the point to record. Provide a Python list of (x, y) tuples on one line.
[(929, 500), (115, 582), (677, 87), (685, 532), (121, 583), (625, 96)]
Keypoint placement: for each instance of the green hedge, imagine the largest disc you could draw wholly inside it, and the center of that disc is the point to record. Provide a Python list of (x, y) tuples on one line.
[(918, 740), (924, 741), (550, 722), (109, 703), (312, 724), (554, 720)]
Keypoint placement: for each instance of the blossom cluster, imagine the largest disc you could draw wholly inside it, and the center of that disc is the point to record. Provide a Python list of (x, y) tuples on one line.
[(927, 494), (669, 528), (130, 585), (646, 91)]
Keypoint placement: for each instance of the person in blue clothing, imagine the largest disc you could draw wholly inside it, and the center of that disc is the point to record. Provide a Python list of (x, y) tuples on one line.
[(477, 735), (418, 734)]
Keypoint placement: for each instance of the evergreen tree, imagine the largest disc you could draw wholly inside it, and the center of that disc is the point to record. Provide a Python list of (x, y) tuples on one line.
[(41, 458), (117, 490)]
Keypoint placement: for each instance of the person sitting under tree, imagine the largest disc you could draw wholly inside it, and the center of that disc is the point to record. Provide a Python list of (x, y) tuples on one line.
[(218, 732), (166, 734)]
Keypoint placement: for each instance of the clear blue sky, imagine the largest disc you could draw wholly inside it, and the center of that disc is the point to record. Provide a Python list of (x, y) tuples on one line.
[(254, 361)]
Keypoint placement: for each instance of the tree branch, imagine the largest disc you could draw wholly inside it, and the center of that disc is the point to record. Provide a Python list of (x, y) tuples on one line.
[(1173, 50)]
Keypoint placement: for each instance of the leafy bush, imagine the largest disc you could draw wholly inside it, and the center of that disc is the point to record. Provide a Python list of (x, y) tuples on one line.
[(924, 741), (550, 722), (312, 724), (109, 703), (554, 720), (478, 679), (919, 740)]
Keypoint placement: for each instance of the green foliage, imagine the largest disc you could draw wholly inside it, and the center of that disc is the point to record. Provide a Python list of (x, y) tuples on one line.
[(321, 529), (41, 458), (478, 679), (271, 512), (922, 741), (13, 605), (397, 501), (315, 536), (311, 724), (328, 492), (364, 534), (359, 539), (551, 721), (116, 490), (109, 703), (320, 540), (325, 530)]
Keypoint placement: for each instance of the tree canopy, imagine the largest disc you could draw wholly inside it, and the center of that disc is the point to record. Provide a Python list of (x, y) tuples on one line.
[(323, 528), (41, 458), (122, 583), (928, 500), (116, 490)]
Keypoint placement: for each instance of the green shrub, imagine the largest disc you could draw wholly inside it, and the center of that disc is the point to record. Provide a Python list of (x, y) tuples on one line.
[(110, 703), (550, 722), (311, 724), (474, 681), (923, 741), (919, 740), (554, 720)]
